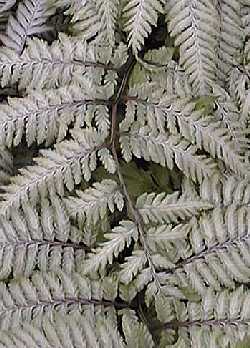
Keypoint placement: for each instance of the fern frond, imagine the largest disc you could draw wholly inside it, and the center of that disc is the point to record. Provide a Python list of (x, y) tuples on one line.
[(75, 329), (37, 297), (85, 18), (195, 26), (226, 192), (120, 237), (133, 265), (223, 135), (41, 65), (212, 135), (136, 333), (167, 151), (44, 241), (246, 26), (30, 19), (220, 255), (108, 13), (219, 320), (46, 117), (65, 167), (169, 208), (92, 204), (231, 36), (235, 121), (95, 19), (159, 239), (140, 16)]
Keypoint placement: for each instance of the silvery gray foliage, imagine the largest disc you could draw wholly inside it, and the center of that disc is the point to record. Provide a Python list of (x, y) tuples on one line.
[(130, 226)]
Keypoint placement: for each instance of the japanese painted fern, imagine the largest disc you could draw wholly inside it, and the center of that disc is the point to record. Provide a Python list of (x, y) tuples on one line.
[(124, 172)]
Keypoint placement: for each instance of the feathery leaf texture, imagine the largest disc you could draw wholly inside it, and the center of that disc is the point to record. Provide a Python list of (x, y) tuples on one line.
[(31, 17), (121, 236), (124, 173), (167, 151), (76, 329), (44, 66), (5, 5), (57, 170), (35, 297), (45, 241), (219, 320), (169, 208), (231, 36), (140, 15), (95, 19), (91, 205), (47, 116), (195, 26)]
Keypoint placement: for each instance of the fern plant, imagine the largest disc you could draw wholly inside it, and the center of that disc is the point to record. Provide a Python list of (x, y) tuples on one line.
[(124, 169)]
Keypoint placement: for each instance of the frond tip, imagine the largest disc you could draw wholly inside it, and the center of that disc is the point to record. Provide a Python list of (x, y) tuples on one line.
[(140, 16)]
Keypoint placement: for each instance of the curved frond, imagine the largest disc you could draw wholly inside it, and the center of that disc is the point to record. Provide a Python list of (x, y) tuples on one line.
[(92, 204), (120, 237)]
